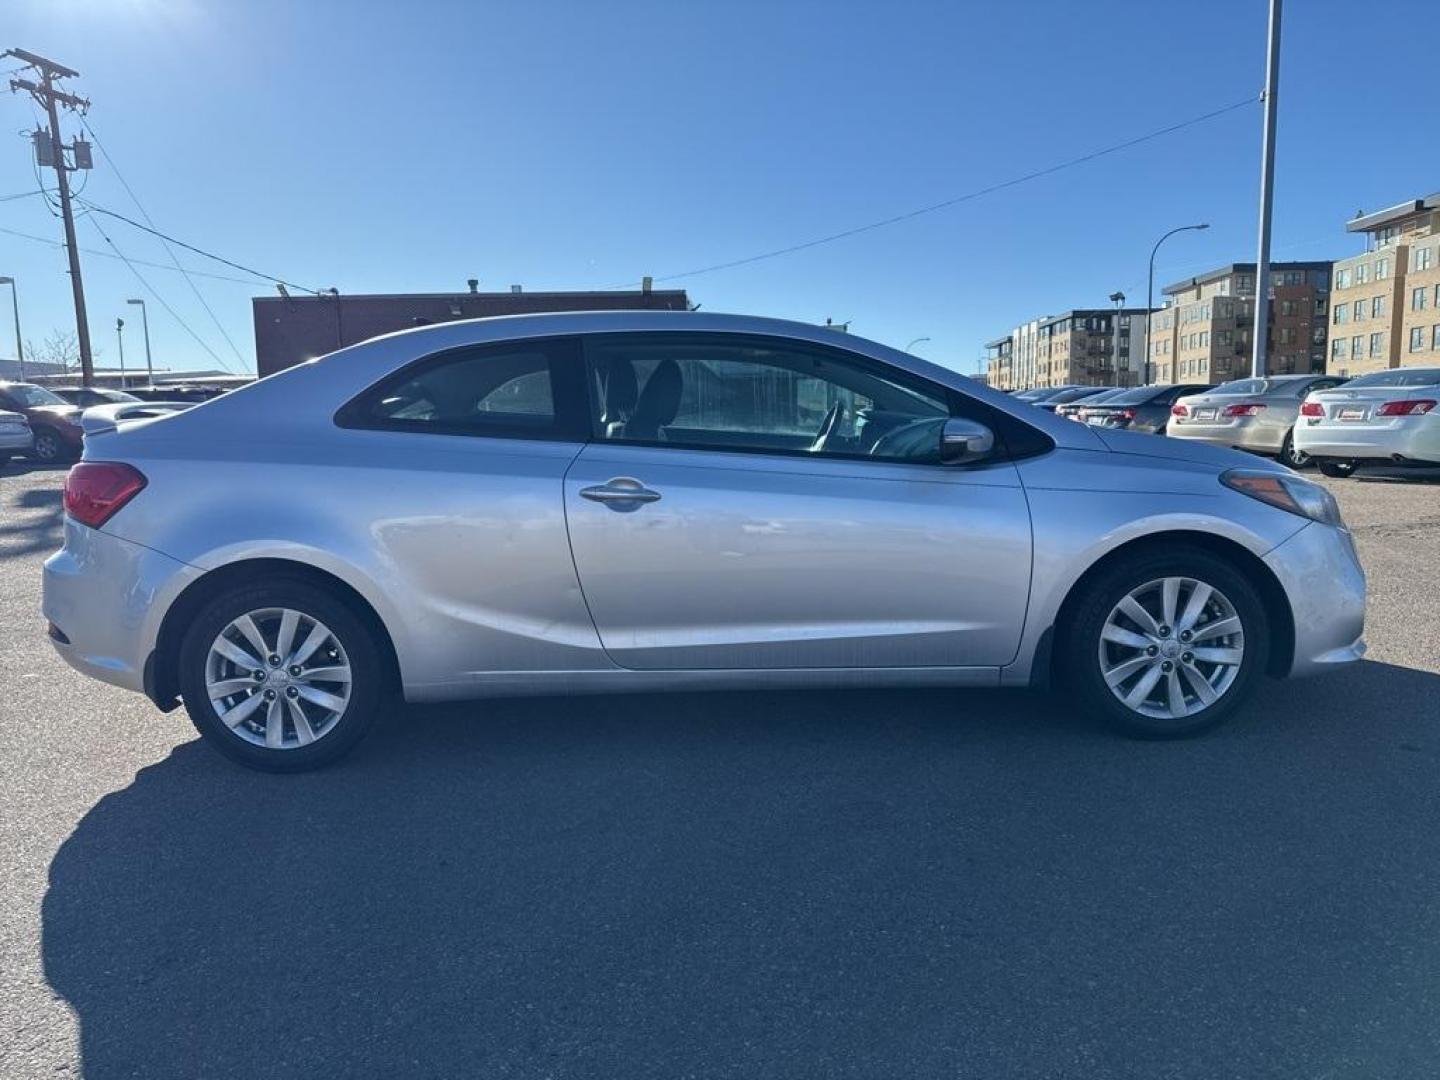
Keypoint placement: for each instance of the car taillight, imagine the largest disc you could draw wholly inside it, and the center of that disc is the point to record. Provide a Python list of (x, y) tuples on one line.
[(1179, 410), (1252, 408), (1127, 414), (1415, 407), (1312, 408), (95, 490)]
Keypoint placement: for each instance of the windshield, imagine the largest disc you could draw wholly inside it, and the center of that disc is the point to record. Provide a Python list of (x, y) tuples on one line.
[(1138, 396), (1102, 397), (1077, 393), (31, 396), (1033, 395), (1399, 377)]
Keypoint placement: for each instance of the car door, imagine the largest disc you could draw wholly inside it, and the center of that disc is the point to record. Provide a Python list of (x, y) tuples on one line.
[(754, 502)]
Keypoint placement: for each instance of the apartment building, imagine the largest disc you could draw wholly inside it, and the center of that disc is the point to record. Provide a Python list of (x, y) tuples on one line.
[(1386, 301), (1074, 348), (1204, 333)]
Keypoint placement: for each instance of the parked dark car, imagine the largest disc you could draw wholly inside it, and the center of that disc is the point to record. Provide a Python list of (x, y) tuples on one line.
[(192, 394), (54, 420), (1037, 394), (1145, 408), (86, 396), (1075, 393), (1071, 410)]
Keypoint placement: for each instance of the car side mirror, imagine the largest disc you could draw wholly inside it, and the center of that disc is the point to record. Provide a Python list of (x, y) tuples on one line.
[(964, 442)]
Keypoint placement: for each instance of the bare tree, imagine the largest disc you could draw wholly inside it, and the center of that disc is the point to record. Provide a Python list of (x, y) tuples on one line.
[(61, 348)]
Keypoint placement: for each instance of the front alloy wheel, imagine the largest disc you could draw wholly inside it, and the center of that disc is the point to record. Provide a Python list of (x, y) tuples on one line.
[(48, 447), (1164, 643), (1171, 647)]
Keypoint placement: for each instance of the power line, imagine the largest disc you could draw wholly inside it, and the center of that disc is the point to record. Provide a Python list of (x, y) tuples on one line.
[(967, 197), (200, 251), (135, 199), (137, 262), (159, 299), (22, 195)]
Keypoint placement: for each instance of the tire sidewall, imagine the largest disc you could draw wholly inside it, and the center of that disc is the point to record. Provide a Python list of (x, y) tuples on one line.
[(1295, 459), (1082, 639), (50, 439), (367, 680)]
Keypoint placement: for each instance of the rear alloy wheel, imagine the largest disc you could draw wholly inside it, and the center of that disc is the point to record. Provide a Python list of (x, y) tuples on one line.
[(1337, 470), (1168, 645), (1295, 459), (282, 677)]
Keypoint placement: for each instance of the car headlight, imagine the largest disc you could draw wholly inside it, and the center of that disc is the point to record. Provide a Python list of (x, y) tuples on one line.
[(72, 419), (1292, 493)]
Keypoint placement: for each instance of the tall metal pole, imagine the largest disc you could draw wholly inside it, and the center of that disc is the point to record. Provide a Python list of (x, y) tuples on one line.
[(1267, 198), (120, 337), (72, 246), (145, 323), (1150, 293), (15, 302)]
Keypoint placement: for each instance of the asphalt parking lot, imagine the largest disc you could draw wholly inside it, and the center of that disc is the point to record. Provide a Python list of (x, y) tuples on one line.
[(855, 884)]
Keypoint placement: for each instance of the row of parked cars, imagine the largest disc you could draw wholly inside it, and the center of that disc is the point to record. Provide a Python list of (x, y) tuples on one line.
[(46, 424), (1385, 418)]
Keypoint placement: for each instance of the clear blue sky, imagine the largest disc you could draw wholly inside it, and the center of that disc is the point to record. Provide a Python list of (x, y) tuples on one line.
[(396, 146)]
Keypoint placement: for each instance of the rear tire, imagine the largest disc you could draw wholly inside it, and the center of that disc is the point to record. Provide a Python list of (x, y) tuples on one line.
[(1295, 459), (48, 449), (1104, 647), (1336, 470), (349, 671)]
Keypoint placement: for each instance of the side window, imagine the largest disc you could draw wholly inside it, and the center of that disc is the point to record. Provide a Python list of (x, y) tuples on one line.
[(518, 390), (716, 391)]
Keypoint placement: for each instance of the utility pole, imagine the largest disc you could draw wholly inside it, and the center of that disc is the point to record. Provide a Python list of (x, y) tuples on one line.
[(1118, 299), (120, 337), (48, 96), (1267, 199)]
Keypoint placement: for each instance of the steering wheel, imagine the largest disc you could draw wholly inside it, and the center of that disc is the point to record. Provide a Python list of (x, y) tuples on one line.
[(827, 428)]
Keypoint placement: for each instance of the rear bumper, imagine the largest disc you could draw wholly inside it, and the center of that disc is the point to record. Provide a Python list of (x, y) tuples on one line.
[(17, 442), (107, 597), (1414, 438), (1241, 435), (1321, 574)]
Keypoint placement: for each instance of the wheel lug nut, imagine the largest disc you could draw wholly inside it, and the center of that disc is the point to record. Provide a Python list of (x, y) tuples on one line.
[(274, 660), (1164, 631), (294, 671), (1167, 666), (269, 695), (1152, 650), (1186, 635), (290, 691), (1187, 657), (258, 675)]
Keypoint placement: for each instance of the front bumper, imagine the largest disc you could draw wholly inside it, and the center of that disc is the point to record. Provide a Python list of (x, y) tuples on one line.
[(107, 597), (1321, 574)]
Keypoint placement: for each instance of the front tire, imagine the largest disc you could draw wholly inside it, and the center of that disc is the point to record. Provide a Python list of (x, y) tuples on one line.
[(281, 676), (1337, 470), (48, 448), (1166, 645)]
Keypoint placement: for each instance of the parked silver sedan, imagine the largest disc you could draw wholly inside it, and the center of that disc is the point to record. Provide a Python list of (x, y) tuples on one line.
[(658, 500), (15, 435), (1385, 418), (1258, 415)]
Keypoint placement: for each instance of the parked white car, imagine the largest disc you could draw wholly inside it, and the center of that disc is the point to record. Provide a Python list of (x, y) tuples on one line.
[(1387, 418)]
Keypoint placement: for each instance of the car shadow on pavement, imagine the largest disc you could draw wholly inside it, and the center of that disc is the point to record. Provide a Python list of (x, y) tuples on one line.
[(32, 521), (800, 884)]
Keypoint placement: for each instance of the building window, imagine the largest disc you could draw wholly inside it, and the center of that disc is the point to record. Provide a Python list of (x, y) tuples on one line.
[(1358, 310), (1417, 338), (1377, 307), (1435, 336), (1244, 282), (1342, 278), (1382, 269), (1422, 259), (1337, 349), (1223, 337), (1204, 339), (1287, 307), (1357, 348), (1362, 273), (1417, 299), (1341, 315), (1377, 344)]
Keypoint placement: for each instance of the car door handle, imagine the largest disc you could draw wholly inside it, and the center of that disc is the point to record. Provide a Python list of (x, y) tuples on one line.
[(623, 493)]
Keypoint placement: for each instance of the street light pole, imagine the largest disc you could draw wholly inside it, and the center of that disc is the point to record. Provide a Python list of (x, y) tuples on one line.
[(145, 322), (917, 341), (120, 337), (1150, 294), (15, 303), (1118, 299), (1267, 198)]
